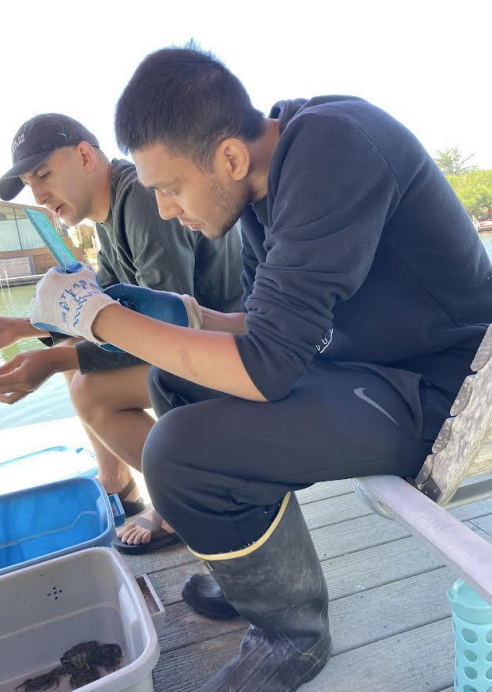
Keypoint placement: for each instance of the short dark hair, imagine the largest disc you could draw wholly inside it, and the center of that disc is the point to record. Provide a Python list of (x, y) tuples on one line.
[(187, 100)]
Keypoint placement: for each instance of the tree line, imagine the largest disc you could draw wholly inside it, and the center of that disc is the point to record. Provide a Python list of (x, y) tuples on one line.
[(472, 185)]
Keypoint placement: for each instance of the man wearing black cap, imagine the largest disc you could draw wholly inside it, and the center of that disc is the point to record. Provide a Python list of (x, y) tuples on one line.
[(35, 141), (68, 173)]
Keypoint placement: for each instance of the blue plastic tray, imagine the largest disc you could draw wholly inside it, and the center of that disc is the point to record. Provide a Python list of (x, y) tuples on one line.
[(50, 520)]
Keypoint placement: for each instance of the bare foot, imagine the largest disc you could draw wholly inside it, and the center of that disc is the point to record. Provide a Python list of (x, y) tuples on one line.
[(133, 534)]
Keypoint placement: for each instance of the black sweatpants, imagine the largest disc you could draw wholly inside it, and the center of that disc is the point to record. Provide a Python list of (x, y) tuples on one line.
[(217, 467)]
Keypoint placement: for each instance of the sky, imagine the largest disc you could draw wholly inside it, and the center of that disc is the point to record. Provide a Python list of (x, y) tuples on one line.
[(425, 62)]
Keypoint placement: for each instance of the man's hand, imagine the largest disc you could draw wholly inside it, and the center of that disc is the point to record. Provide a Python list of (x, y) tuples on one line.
[(68, 301), (27, 371), (14, 329)]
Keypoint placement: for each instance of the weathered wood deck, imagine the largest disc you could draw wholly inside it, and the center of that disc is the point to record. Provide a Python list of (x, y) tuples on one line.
[(390, 618)]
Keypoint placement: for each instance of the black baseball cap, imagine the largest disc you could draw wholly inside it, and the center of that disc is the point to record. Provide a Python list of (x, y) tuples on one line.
[(35, 141)]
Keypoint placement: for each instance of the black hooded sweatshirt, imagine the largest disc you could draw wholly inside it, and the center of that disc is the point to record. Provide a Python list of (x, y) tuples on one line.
[(359, 253)]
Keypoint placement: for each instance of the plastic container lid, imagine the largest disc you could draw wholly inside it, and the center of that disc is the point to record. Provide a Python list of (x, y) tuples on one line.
[(468, 604), (46, 466)]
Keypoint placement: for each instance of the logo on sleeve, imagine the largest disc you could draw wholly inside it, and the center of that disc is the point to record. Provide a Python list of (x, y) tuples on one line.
[(321, 348)]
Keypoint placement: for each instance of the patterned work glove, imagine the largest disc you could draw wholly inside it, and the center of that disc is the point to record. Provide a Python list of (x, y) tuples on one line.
[(68, 301)]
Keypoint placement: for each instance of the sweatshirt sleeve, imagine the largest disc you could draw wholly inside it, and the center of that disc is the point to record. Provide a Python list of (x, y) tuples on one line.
[(330, 194)]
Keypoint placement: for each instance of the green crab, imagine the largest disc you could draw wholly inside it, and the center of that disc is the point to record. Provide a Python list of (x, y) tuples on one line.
[(41, 682), (80, 662), (84, 677), (83, 656)]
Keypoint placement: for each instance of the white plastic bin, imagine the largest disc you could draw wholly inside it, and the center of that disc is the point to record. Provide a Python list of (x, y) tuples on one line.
[(88, 595)]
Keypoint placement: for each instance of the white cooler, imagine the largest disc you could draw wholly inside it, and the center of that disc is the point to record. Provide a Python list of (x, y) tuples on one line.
[(88, 595)]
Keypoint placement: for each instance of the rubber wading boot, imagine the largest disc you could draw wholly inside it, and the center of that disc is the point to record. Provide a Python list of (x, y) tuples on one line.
[(202, 593), (277, 584)]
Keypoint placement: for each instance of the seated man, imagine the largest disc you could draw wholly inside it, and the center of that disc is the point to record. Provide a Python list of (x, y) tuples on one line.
[(367, 294), (62, 163)]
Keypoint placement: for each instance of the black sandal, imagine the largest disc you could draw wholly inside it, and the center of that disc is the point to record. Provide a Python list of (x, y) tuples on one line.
[(131, 507), (159, 539)]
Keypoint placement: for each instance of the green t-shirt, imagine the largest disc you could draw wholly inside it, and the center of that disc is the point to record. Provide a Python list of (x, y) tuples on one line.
[(140, 248)]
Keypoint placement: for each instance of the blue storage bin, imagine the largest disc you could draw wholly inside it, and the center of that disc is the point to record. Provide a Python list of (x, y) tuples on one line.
[(44, 466), (50, 520)]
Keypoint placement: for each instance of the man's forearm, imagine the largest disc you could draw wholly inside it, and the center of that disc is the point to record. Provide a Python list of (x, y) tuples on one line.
[(25, 330), (63, 358), (209, 358)]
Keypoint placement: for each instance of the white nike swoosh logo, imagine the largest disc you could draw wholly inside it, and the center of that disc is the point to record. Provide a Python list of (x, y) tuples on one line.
[(360, 393)]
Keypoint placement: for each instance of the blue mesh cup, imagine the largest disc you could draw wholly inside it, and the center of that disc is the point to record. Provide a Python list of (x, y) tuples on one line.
[(472, 627)]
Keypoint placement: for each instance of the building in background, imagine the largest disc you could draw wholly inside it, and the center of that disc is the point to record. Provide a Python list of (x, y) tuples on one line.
[(22, 251)]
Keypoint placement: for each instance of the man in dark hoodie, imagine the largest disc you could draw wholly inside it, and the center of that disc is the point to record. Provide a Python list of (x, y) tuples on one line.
[(366, 291)]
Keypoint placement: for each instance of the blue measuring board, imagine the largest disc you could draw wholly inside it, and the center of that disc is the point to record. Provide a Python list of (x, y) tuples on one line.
[(53, 242)]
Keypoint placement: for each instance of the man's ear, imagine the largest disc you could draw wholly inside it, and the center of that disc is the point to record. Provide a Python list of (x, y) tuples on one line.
[(232, 156), (87, 156)]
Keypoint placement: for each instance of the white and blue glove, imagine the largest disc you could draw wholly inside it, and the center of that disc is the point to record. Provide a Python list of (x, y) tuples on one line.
[(68, 301), (173, 308)]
